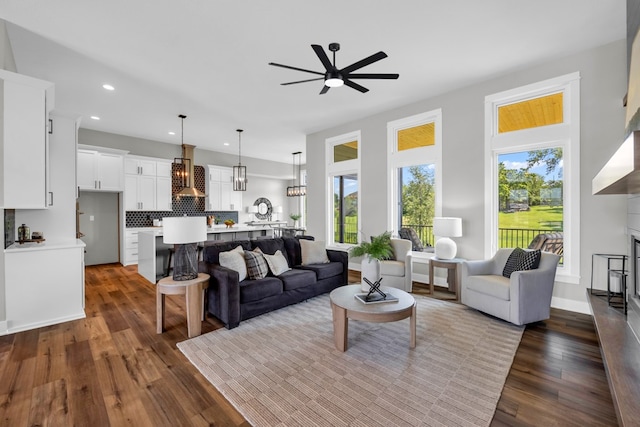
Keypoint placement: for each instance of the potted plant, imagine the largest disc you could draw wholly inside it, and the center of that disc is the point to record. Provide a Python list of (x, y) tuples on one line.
[(372, 252), (295, 218)]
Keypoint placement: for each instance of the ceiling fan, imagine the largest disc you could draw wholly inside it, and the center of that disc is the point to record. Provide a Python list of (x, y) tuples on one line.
[(334, 77)]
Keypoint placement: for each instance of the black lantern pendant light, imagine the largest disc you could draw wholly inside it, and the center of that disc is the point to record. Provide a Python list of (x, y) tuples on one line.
[(296, 190), (184, 168), (239, 172)]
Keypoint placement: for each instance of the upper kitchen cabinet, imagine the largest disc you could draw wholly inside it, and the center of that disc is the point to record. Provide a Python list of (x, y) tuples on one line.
[(24, 138), (100, 169), (147, 184), (220, 194)]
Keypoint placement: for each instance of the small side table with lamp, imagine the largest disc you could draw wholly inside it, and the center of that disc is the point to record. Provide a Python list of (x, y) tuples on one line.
[(185, 233), (445, 252)]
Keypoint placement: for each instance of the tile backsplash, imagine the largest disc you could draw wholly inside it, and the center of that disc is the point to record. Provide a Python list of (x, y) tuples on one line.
[(145, 218)]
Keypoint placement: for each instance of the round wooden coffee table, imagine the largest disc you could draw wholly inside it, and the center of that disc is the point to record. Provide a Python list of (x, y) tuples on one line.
[(345, 306)]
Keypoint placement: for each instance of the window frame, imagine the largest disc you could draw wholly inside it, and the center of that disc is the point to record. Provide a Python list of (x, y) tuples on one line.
[(333, 169), (565, 135), (431, 154)]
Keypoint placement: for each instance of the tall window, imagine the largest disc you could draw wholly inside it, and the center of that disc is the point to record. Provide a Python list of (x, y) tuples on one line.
[(343, 168), (532, 143), (415, 152)]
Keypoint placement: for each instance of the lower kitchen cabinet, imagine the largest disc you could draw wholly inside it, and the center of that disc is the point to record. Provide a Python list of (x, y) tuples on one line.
[(44, 285)]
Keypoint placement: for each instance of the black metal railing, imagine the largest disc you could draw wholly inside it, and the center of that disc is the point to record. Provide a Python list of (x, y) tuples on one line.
[(519, 237)]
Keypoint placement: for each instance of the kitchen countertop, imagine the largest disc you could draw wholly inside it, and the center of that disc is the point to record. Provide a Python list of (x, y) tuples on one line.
[(46, 245), (211, 230)]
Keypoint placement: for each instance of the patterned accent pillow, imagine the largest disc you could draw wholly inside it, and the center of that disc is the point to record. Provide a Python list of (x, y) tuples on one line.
[(277, 263), (313, 252), (256, 265), (234, 260), (529, 260), (512, 262)]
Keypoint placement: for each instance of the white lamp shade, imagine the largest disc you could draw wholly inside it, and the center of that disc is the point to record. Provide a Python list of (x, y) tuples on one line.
[(277, 209), (252, 209), (179, 230), (447, 227)]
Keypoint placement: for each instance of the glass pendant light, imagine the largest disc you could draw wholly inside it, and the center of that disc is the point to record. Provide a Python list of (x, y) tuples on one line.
[(239, 172)]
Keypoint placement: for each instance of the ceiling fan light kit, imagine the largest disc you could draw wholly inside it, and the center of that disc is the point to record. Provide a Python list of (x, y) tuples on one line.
[(334, 77)]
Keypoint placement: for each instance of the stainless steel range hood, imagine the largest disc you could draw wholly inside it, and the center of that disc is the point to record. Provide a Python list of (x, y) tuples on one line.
[(190, 190), (621, 174)]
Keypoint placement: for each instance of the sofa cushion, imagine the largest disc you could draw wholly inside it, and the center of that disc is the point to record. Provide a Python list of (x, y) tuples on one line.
[(234, 260), (277, 263), (490, 284), (324, 271), (313, 252), (296, 278), (256, 264), (255, 290), (512, 262), (212, 250), (292, 245), (270, 246), (392, 268)]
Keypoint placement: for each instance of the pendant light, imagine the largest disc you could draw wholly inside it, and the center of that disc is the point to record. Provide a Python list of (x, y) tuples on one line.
[(296, 190), (183, 167), (239, 172)]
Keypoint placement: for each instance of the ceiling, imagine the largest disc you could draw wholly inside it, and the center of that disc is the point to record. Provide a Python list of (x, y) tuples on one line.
[(208, 59)]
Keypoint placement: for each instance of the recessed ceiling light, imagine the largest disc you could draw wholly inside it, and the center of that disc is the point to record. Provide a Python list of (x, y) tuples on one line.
[(95, 118), (172, 133), (107, 86), (226, 143)]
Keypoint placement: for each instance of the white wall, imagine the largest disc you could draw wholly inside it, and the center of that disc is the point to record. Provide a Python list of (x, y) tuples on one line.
[(603, 218)]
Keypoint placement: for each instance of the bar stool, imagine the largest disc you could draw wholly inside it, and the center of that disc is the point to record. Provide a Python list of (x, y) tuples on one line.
[(169, 268)]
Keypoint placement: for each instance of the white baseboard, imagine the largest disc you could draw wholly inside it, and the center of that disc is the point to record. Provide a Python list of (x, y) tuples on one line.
[(25, 327), (571, 305)]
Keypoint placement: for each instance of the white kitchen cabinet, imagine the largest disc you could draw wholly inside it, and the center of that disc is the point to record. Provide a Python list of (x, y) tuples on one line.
[(25, 104), (147, 184), (131, 246), (100, 171), (220, 194), (33, 301), (140, 193), (139, 166)]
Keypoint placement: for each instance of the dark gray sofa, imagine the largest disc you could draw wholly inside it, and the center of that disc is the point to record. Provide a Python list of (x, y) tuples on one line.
[(232, 301)]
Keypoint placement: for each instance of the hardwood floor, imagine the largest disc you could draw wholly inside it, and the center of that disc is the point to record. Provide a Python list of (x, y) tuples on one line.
[(112, 369)]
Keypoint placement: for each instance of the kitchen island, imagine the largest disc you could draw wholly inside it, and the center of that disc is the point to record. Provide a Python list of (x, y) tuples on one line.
[(153, 253)]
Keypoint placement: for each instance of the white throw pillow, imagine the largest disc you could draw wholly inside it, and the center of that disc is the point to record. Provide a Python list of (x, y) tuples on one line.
[(234, 260), (313, 252), (277, 263)]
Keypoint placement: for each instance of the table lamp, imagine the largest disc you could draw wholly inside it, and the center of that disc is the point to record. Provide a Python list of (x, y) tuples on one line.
[(445, 228), (277, 210), (253, 209), (185, 232)]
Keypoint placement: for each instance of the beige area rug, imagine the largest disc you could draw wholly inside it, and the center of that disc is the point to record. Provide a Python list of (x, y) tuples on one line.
[(282, 368)]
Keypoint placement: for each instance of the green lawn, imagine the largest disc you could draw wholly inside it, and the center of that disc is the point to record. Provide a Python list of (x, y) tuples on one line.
[(538, 217), (531, 222)]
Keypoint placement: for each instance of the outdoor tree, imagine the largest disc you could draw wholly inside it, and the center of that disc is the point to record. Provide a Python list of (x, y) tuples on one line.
[(418, 196)]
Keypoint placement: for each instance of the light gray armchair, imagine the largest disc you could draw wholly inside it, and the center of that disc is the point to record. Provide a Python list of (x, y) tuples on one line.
[(523, 298), (396, 273)]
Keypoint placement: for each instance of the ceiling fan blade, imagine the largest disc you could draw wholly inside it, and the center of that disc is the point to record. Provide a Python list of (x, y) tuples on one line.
[(355, 86), (322, 55), (296, 68), (301, 81), (363, 62), (324, 90), (372, 76)]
